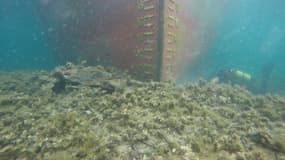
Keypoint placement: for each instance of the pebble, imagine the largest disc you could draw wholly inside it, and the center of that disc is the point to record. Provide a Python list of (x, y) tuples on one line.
[(88, 112)]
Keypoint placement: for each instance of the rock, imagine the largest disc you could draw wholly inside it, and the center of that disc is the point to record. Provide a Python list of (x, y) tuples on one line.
[(195, 147), (279, 143), (62, 81), (88, 112), (241, 156), (101, 113)]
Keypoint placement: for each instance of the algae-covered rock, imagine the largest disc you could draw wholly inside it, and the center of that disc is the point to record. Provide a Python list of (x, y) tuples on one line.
[(279, 143), (272, 142), (97, 112), (270, 113)]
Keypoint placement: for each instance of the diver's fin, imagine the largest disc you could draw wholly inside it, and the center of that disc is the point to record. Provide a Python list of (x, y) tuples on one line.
[(266, 74)]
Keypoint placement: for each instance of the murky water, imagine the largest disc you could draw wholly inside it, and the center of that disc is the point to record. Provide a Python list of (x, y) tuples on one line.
[(144, 79)]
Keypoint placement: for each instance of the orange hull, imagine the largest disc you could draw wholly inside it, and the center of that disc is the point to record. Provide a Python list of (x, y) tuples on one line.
[(145, 37)]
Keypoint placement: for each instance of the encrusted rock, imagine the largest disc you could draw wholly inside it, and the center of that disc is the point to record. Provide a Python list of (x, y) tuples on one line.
[(102, 113)]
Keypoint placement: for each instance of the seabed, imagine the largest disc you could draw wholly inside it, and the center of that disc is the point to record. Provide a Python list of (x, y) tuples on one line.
[(96, 113)]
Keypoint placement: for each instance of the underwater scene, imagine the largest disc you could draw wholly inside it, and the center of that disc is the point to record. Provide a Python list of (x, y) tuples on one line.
[(142, 80)]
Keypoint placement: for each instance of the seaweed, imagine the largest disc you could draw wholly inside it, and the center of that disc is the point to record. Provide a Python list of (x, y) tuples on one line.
[(109, 115)]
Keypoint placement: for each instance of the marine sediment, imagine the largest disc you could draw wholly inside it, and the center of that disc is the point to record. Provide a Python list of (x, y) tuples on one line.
[(97, 113)]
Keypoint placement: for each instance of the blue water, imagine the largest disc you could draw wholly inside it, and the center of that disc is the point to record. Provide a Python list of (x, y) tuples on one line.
[(23, 41), (250, 36)]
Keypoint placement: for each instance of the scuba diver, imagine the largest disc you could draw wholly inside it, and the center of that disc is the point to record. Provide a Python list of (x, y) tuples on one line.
[(236, 76), (233, 75)]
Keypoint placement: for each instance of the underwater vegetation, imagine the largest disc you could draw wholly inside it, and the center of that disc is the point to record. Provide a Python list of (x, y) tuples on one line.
[(83, 112)]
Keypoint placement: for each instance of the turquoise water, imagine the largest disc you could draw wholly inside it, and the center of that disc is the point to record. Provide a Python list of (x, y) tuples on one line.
[(23, 41), (249, 37), (53, 109)]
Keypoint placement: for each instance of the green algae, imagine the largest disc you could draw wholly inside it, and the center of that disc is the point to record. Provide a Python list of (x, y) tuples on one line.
[(112, 116)]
